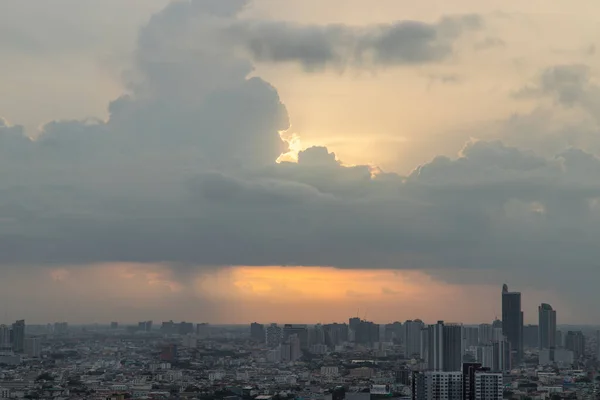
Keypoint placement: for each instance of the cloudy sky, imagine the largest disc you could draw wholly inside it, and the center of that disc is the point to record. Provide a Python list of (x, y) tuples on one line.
[(238, 160)]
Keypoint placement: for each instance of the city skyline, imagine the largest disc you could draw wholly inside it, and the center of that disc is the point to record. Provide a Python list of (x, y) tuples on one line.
[(232, 160)]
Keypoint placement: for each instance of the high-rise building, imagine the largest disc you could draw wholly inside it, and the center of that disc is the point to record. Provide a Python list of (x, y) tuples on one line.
[(488, 386), (145, 326), (18, 336), (575, 341), (424, 351), (471, 336), (5, 339), (444, 346), (512, 322), (114, 325), (33, 347), (295, 351), (61, 328), (186, 328), (481, 384), (335, 334), (531, 335), (203, 330), (437, 385), (273, 335), (560, 341), (485, 333), (316, 335), (547, 326), (257, 332), (502, 354), (366, 332), (435, 346), (412, 337), (597, 345), (294, 329), (453, 347)]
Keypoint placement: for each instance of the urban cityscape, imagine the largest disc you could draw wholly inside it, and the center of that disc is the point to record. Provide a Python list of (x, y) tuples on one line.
[(357, 360)]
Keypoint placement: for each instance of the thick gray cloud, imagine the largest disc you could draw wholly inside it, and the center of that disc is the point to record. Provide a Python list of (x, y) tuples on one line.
[(340, 46), (183, 172)]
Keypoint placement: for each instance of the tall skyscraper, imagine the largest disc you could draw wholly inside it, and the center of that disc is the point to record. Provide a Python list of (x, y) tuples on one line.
[(18, 336), (512, 322), (412, 337), (547, 326)]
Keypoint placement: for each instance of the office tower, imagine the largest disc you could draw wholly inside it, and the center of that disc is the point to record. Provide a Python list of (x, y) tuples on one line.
[(5, 339), (531, 336), (273, 336), (597, 345), (114, 325), (485, 333), (547, 326), (575, 341), (33, 347), (412, 337), (512, 322), (18, 336), (257, 332), (353, 323), (437, 385), (471, 336)]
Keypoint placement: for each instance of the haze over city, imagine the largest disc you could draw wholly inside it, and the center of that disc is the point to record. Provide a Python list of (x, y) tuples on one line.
[(229, 161)]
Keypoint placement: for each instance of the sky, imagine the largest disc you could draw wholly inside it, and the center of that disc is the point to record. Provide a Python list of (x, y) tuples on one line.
[(230, 161)]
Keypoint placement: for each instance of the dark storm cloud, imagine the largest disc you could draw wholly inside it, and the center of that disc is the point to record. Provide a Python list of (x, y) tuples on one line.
[(183, 172), (317, 47)]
